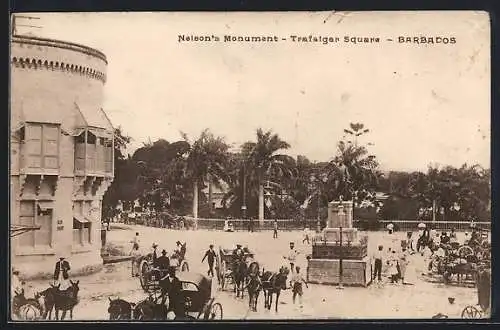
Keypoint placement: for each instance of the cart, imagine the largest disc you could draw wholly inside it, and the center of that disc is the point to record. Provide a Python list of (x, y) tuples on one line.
[(484, 295), (197, 297), (224, 265), (149, 276)]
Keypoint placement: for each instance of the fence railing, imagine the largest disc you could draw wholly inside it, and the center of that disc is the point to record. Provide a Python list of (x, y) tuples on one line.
[(406, 225), (292, 225)]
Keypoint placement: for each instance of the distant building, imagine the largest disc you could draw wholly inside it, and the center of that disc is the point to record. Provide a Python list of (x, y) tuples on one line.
[(61, 154), (217, 195)]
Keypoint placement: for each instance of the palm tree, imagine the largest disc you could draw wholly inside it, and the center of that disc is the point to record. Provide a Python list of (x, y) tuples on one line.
[(265, 163), (353, 172), (206, 163)]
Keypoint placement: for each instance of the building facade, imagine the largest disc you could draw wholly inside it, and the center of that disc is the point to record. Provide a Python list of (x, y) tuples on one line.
[(61, 158)]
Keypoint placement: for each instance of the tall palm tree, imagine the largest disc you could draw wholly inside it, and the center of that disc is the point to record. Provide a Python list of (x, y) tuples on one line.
[(264, 163), (206, 163)]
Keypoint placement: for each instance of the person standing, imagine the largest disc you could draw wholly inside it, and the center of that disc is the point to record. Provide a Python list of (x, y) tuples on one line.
[(403, 263), (210, 255), (275, 229), (393, 267), (136, 256), (296, 285), (377, 261), (61, 273), (135, 243), (292, 256), (163, 262), (306, 236)]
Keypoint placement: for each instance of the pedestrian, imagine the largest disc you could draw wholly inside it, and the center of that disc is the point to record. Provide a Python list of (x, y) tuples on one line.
[(393, 268), (61, 273), (306, 236), (292, 256), (275, 227), (171, 287), (136, 256), (377, 261), (135, 243), (403, 263), (210, 255), (296, 284)]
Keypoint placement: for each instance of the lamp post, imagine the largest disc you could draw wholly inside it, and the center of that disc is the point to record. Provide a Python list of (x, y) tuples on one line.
[(341, 215)]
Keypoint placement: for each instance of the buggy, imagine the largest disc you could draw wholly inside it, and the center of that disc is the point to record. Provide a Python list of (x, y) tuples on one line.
[(483, 292), (149, 276), (225, 263), (196, 295)]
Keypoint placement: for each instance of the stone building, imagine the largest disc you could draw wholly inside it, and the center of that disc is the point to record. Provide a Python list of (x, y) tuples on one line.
[(61, 158)]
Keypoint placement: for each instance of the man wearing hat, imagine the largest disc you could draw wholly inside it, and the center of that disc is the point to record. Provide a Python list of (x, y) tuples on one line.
[(155, 255), (172, 287), (61, 273), (292, 256), (163, 262), (210, 255)]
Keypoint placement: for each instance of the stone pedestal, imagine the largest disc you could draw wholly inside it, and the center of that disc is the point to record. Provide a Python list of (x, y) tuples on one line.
[(329, 249), (326, 271)]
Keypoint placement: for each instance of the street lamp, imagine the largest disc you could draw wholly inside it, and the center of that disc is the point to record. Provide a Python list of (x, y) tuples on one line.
[(341, 215)]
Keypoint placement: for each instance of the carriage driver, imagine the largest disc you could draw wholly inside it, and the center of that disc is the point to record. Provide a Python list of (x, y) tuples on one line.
[(238, 252)]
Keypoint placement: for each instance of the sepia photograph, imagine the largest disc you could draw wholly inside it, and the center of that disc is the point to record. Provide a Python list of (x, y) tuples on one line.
[(214, 166)]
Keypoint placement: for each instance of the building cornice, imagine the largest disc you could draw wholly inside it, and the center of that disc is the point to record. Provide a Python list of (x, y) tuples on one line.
[(37, 41), (38, 64)]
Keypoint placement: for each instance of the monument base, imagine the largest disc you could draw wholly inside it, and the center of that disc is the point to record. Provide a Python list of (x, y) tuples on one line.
[(326, 271)]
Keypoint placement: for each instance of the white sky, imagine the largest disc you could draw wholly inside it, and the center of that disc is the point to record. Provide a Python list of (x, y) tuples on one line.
[(422, 103)]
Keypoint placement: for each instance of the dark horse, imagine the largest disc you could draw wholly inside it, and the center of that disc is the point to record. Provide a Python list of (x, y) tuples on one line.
[(49, 300), (148, 309), (66, 300), (120, 309), (239, 275), (254, 285), (273, 283)]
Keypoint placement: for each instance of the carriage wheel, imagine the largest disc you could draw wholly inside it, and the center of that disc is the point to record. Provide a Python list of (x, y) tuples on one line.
[(29, 312), (223, 274), (215, 312), (184, 266), (465, 251), (471, 312), (144, 275)]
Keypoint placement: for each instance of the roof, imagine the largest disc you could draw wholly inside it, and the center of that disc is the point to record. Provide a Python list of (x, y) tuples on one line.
[(93, 117), (32, 110), (199, 279)]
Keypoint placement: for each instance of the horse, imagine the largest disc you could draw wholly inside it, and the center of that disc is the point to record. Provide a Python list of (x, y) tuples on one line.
[(120, 309), (254, 285), (66, 300), (273, 283), (240, 270), (49, 299)]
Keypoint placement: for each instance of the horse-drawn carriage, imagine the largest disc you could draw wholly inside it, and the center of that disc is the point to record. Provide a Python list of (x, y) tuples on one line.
[(483, 284), (196, 297), (149, 275), (226, 265)]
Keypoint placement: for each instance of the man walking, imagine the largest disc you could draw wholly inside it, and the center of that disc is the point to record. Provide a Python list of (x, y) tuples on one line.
[(210, 255), (275, 232)]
